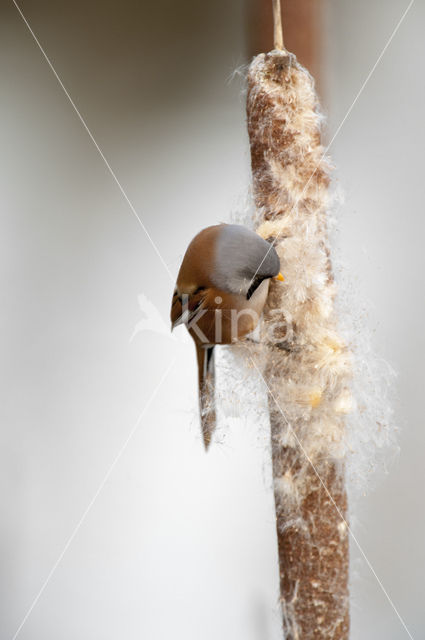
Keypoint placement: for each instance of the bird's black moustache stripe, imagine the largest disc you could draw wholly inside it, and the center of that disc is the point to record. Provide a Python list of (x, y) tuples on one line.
[(255, 283)]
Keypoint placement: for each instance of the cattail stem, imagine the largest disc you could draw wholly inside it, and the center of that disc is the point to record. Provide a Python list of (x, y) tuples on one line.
[(277, 22), (308, 366)]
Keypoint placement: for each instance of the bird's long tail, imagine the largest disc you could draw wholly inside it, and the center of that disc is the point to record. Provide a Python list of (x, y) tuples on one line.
[(206, 380)]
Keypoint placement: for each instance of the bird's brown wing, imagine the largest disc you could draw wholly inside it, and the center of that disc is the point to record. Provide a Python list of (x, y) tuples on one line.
[(185, 307), (176, 309)]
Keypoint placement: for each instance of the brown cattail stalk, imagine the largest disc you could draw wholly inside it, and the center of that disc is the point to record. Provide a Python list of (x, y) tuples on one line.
[(277, 26), (307, 366)]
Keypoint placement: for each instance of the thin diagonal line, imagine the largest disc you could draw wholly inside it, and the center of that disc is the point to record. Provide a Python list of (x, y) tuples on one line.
[(111, 171), (362, 88), (357, 543), (370, 74), (93, 500)]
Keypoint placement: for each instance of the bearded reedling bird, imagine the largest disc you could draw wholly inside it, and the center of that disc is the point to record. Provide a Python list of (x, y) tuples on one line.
[(220, 293)]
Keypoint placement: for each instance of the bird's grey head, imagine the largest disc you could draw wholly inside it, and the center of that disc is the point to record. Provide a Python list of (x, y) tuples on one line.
[(243, 260)]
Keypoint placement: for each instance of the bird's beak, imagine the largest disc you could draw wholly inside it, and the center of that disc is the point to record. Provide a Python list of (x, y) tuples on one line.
[(280, 277)]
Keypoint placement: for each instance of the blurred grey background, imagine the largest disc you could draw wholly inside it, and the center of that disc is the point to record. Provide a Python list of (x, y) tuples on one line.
[(176, 543)]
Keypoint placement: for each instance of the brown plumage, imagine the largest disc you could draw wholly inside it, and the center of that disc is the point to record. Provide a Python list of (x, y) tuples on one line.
[(220, 293)]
